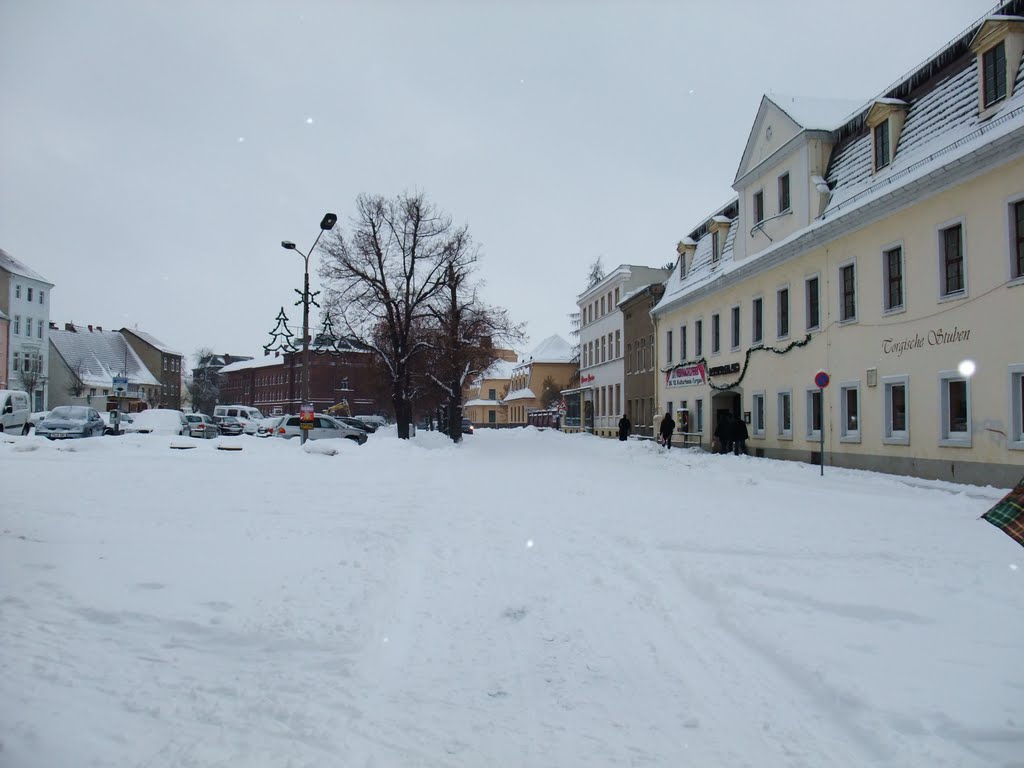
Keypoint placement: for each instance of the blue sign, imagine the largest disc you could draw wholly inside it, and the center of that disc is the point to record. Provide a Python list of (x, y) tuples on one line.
[(821, 379)]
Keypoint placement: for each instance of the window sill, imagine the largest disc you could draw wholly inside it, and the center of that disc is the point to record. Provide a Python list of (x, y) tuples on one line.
[(848, 321), (734, 349), (1016, 445), (958, 296), (814, 437), (1015, 281), (813, 328), (782, 338), (849, 439), (954, 442), (896, 440), (761, 436), (786, 437), (894, 311)]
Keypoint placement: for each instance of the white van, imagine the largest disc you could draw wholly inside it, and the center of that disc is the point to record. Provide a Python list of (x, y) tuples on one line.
[(246, 414), (14, 411)]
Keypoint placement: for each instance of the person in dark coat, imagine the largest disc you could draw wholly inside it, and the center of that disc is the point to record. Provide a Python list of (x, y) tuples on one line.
[(668, 426), (723, 431), (624, 427), (739, 437)]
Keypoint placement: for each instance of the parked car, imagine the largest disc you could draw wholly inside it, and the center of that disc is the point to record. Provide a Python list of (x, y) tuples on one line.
[(467, 427), (69, 421), (229, 425), (356, 423), (37, 416), (247, 416), (14, 411), (265, 427), (377, 421), (108, 425), (324, 426), (159, 421), (201, 425)]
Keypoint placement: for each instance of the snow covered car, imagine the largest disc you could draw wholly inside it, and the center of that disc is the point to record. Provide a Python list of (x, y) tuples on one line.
[(229, 425), (265, 427), (355, 423), (159, 421), (69, 421), (324, 427), (377, 421), (201, 425)]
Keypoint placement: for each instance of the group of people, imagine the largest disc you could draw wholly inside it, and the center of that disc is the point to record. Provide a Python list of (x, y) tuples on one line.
[(731, 432)]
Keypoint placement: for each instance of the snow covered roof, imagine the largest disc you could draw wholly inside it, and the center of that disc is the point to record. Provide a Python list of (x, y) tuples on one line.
[(15, 267), (482, 402), (97, 356), (815, 113), (499, 369), (554, 349), (260, 362), (153, 341), (520, 394), (941, 129)]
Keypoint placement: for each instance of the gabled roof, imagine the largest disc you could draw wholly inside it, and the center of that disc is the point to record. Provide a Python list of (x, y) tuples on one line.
[(15, 267), (153, 341), (814, 113), (554, 349), (97, 356), (499, 369), (260, 362)]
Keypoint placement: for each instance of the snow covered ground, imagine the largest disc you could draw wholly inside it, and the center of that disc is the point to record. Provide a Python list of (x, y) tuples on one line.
[(524, 599)]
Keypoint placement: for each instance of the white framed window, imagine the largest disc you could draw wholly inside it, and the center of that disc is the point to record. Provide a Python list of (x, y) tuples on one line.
[(734, 328), (17, 290), (28, 326), (682, 343), (16, 357), (785, 413), (757, 416), (716, 334), (16, 325), (954, 410), (784, 193), (698, 337), (782, 312), (896, 390), (668, 345), (993, 74), (28, 294), (813, 402), (759, 206), (715, 253), (893, 282), (650, 344), (1015, 439), (952, 260), (849, 412), (882, 155), (757, 321), (848, 292), (812, 302), (1015, 210), (39, 329), (699, 422), (629, 357), (42, 297)]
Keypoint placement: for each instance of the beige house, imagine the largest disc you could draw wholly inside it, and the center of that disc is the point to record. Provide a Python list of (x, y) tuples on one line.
[(552, 361), (883, 245), (483, 398), (164, 362)]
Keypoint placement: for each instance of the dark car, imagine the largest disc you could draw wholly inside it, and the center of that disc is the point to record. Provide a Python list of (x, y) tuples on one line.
[(229, 425), (71, 421), (467, 427)]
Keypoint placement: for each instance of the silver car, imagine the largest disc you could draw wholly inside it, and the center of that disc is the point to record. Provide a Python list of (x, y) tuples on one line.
[(67, 421), (201, 425), (323, 427)]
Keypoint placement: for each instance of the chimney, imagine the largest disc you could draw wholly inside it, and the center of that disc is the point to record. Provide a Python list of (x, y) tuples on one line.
[(99, 327), (90, 329), (70, 327)]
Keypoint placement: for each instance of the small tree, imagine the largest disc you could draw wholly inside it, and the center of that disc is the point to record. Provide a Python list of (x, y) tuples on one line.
[(595, 273), (76, 387), (550, 394), (204, 387)]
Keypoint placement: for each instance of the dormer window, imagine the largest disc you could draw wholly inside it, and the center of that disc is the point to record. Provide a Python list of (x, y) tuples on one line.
[(715, 253), (881, 145), (993, 74)]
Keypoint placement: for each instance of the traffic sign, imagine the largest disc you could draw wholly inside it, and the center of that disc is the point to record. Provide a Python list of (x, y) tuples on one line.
[(120, 384), (821, 379), (306, 417)]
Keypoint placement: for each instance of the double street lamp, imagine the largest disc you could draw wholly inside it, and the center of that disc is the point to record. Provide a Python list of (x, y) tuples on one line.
[(326, 225)]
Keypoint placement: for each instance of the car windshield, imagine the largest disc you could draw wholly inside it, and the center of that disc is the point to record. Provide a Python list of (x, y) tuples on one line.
[(69, 412)]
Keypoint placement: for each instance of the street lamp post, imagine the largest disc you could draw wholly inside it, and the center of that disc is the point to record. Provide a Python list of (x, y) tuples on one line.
[(326, 224)]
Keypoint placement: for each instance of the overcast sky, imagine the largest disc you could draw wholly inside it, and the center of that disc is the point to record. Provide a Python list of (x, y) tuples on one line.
[(153, 155)]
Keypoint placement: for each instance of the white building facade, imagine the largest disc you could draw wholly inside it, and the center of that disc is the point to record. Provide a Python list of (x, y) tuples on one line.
[(602, 345), (25, 298)]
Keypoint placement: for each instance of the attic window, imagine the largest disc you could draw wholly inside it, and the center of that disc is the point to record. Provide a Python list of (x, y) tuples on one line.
[(714, 247), (882, 145), (993, 69)]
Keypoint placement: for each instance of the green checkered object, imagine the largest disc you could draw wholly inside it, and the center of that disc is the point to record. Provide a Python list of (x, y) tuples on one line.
[(1008, 514)]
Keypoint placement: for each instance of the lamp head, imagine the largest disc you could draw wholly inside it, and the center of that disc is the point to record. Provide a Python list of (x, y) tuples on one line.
[(288, 244), (328, 222)]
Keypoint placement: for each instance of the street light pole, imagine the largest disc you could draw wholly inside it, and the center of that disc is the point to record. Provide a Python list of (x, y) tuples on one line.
[(326, 224)]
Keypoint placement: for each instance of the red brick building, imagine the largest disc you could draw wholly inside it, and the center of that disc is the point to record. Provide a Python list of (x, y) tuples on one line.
[(274, 384)]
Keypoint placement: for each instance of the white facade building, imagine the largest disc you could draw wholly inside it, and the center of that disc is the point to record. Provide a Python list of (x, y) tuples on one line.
[(25, 299), (602, 343)]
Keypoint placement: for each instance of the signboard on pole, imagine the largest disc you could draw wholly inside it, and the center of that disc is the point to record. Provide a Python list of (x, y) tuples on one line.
[(821, 379), (120, 385), (306, 416), (686, 376)]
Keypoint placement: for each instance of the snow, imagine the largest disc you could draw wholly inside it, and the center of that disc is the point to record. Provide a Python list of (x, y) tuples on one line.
[(96, 356), (554, 349), (612, 604), (817, 113), (259, 362)]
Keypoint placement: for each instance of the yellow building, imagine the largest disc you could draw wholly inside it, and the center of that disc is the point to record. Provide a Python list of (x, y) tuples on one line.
[(483, 397), (883, 245), (553, 361)]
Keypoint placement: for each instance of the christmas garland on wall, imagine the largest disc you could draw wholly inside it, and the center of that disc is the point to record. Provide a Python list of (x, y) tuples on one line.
[(746, 362)]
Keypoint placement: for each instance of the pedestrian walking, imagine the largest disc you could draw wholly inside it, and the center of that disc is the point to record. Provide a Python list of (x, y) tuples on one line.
[(739, 437), (624, 427), (723, 433), (668, 426)]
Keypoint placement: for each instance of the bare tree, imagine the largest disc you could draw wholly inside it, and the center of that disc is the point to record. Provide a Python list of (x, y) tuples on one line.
[(204, 387), (551, 393), (383, 279), (464, 332), (31, 375), (76, 387)]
